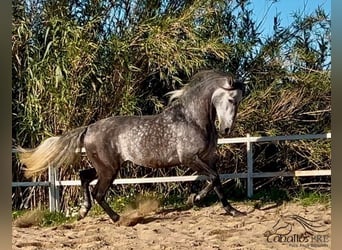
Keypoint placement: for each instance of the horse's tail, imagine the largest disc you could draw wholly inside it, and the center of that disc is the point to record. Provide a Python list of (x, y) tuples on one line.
[(54, 151)]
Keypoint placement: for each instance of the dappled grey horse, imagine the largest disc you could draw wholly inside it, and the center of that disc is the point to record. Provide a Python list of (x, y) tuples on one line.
[(183, 134)]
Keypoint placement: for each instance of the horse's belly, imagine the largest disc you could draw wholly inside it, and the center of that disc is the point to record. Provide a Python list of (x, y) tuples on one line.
[(154, 161)]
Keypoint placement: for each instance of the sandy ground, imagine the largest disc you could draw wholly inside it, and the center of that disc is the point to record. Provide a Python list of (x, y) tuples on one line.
[(204, 228)]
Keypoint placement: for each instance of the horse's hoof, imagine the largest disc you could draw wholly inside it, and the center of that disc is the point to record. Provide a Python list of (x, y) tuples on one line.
[(234, 212), (238, 213), (82, 213), (115, 217), (191, 200), (80, 216)]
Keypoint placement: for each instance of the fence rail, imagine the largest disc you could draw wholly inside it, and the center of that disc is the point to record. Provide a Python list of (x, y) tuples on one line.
[(54, 184)]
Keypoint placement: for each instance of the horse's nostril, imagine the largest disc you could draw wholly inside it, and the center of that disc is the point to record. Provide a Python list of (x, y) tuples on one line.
[(226, 131)]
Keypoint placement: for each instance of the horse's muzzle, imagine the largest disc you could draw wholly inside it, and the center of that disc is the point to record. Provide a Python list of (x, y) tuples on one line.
[(225, 132)]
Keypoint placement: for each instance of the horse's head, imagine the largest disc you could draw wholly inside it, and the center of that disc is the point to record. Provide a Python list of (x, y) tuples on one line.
[(226, 99)]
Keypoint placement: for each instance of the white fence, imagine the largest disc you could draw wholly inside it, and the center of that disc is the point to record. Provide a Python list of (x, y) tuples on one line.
[(54, 184)]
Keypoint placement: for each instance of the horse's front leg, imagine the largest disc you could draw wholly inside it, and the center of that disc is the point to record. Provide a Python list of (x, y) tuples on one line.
[(195, 198), (86, 176), (216, 184)]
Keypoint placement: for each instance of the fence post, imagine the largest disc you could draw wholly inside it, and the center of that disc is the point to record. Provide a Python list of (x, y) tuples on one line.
[(57, 198), (53, 190), (249, 167)]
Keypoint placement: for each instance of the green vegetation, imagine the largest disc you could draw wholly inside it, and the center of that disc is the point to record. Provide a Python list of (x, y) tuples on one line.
[(117, 203), (312, 198), (303, 197), (55, 218), (75, 62)]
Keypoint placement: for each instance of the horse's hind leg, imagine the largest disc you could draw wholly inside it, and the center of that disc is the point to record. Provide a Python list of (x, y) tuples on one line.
[(105, 180), (107, 170), (86, 176)]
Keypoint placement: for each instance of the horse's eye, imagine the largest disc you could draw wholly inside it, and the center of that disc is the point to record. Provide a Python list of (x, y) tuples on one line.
[(231, 101)]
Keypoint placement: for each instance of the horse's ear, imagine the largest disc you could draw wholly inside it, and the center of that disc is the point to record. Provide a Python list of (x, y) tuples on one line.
[(239, 84)]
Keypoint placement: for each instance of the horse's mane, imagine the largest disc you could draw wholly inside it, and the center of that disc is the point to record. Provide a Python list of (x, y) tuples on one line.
[(200, 80)]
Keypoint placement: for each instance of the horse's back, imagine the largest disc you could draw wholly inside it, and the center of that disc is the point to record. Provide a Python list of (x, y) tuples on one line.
[(144, 140)]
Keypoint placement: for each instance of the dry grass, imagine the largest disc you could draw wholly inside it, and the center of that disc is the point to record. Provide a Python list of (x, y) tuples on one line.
[(29, 219)]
